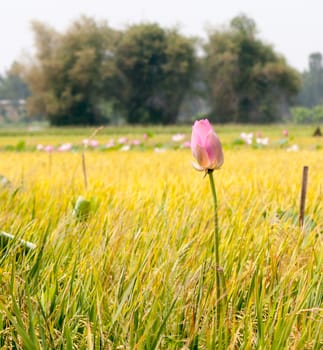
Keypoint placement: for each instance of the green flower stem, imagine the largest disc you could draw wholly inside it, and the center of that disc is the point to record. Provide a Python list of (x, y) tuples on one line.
[(218, 269)]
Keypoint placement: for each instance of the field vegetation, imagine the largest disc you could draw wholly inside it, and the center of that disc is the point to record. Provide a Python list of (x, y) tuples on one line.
[(135, 270)]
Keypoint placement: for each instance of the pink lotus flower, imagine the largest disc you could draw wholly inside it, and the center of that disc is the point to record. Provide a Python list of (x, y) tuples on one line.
[(110, 144), (186, 144), (91, 143), (285, 132), (64, 147), (122, 140), (40, 147), (136, 142), (49, 148), (206, 146), (94, 143)]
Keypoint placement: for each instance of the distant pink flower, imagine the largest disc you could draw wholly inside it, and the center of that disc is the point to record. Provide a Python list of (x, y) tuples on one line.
[(186, 144), (206, 146), (110, 144), (64, 147), (258, 134), (91, 143), (285, 133), (94, 143), (136, 142), (145, 137), (49, 148), (122, 140), (40, 147)]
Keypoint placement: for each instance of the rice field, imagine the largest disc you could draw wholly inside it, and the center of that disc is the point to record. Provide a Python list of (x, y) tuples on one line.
[(134, 269)]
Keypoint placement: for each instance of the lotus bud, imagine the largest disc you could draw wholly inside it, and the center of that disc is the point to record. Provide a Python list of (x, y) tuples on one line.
[(206, 146)]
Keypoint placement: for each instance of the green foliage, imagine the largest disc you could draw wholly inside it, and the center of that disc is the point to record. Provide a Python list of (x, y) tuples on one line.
[(311, 93), (12, 87), (92, 70), (93, 74), (13, 92), (247, 80), (303, 115), (66, 81), (155, 68)]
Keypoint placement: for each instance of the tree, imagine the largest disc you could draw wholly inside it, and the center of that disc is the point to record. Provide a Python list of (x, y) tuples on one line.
[(311, 93), (247, 80), (303, 115), (155, 70), (66, 78), (13, 92), (12, 87)]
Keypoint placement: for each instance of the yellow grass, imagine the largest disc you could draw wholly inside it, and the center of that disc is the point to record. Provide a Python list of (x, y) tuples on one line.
[(138, 273)]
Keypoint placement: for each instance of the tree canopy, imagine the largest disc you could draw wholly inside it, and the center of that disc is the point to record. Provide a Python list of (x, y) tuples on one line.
[(156, 69), (92, 73), (143, 72), (247, 80), (311, 93), (12, 87), (66, 78)]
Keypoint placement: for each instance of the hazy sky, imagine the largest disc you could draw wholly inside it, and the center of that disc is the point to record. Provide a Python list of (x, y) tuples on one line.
[(293, 27)]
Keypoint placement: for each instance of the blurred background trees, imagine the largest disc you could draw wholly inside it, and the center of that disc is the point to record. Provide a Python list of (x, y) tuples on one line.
[(311, 93), (309, 101), (13, 94), (93, 74), (247, 80), (156, 69), (12, 87), (66, 77)]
